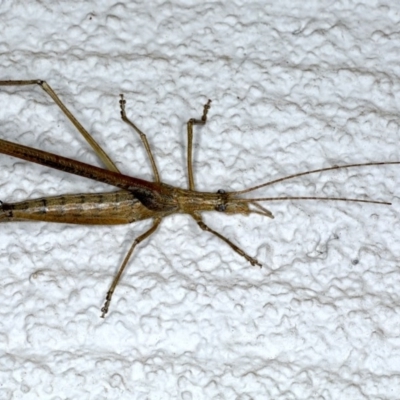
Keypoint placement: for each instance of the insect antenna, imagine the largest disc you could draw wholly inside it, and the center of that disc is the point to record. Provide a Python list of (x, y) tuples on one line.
[(253, 201), (314, 171)]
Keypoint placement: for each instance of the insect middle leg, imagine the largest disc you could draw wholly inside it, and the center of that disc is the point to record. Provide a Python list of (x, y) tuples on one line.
[(143, 137), (114, 284)]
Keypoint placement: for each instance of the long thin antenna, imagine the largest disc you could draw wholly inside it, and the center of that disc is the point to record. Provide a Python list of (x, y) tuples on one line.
[(313, 172), (308, 198)]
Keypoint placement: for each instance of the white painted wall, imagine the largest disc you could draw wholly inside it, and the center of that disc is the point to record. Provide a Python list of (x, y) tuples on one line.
[(295, 86)]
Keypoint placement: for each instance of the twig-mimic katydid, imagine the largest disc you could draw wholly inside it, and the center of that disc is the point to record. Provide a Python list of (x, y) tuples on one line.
[(138, 199)]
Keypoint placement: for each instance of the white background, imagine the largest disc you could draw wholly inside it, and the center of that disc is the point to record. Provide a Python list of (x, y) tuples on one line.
[(295, 86)]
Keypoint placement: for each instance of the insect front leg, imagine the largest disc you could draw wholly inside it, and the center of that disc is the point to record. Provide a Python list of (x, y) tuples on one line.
[(190, 124), (114, 284), (238, 250), (88, 137)]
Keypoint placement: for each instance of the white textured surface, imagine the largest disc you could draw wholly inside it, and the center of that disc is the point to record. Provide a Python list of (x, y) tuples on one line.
[(295, 86)]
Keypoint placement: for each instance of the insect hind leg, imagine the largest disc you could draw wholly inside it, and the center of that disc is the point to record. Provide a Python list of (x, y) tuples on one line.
[(88, 137)]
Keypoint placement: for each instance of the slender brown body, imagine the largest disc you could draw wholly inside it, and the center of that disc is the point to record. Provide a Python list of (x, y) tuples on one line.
[(155, 196), (155, 199), (138, 199), (111, 208)]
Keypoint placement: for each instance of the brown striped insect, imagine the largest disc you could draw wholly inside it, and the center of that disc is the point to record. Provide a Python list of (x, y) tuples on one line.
[(138, 199)]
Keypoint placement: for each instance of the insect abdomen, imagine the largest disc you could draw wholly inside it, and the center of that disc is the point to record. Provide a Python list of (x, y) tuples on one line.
[(91, 208)]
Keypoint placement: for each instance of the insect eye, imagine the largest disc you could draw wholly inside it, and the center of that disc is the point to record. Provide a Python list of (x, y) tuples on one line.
[(220, 207)]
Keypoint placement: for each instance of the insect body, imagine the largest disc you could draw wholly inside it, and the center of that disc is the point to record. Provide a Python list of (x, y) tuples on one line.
[(138, 199)]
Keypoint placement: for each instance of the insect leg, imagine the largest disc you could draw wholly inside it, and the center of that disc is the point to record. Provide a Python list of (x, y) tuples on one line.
[(143, 137), (139, 239), (238, 250), (96, 147), (190, 124)]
